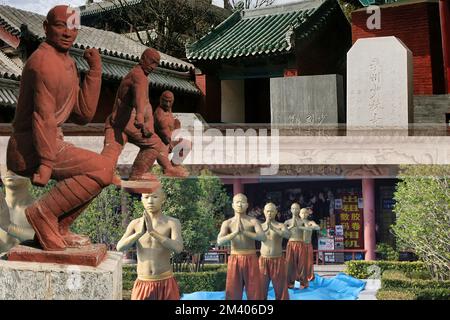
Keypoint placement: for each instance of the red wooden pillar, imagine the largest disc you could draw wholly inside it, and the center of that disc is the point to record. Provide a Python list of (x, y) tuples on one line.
[(368, 190), (444, 9), (238, 186), (210, 104)]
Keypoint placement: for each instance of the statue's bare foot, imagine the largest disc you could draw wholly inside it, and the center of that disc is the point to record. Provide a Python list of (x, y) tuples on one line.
[(144, 177), (178, 172), (144, 183), (117, 181), (75, 240)]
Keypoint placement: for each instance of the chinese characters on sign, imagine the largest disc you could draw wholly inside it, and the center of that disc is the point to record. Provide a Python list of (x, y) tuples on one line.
[(351, 218)]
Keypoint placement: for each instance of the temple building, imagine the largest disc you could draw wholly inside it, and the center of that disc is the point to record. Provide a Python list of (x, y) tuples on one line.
[(240, 56)]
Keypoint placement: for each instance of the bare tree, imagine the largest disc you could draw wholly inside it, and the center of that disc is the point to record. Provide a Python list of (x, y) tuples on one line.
[(166, 24)]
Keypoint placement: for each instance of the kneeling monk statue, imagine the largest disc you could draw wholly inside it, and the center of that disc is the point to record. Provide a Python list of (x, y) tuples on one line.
[(132, 121), (156, 236), (50, 94)]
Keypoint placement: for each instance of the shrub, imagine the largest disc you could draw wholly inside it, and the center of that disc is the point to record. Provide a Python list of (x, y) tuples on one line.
[(397, 285), (400, 280), (201, 281), (433, 294), (395, 295), (367, 269), (387, 252), (422, 208)]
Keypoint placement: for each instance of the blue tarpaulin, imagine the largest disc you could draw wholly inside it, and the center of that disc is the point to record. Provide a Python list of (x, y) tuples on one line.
[(341, 287)]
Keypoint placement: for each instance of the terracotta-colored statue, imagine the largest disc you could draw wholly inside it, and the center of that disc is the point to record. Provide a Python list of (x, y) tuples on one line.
[(272, 264), (243, 267), (49, 96), (132, 121), (18, 198), (166, 124), (156, 236), (300, 254)]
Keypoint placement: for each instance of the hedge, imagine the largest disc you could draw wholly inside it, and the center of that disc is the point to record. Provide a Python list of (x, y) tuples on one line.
[(395, 295), (212, 279), (399, 280), (201, 281), (360, 269), (397, 285)]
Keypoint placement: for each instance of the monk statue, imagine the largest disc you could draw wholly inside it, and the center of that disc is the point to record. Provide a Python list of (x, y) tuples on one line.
[(243, 268), (156, 236), (300, 252), (272, 264), (166, 124), (6, 241), (132, 121), (293, 246), (50, 94), (14, 224)]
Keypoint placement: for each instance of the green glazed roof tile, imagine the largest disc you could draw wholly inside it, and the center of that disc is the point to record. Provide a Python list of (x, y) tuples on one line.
[(262, 31)]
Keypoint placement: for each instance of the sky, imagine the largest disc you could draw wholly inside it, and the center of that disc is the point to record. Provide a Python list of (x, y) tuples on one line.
[(42, 6)]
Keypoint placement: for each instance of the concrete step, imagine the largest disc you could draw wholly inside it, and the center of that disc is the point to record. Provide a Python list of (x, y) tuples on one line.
[(370, 292), (329, 270)]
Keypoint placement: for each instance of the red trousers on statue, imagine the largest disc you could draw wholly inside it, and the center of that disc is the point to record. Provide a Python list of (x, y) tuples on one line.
[(274, 269), (156, 290), (243, 271)]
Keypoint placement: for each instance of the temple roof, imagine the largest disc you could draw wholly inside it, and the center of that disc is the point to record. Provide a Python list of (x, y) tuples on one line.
[(105, 6), (8, 69), (109, 43), (263, 31)]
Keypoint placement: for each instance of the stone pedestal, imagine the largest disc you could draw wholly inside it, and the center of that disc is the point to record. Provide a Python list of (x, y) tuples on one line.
[(48, 281), (91, 255)]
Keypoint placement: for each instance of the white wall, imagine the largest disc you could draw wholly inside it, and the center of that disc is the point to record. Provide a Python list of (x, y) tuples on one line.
[(233, 101)]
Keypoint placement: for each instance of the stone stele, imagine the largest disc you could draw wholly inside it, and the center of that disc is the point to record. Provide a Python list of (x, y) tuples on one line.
[(48, 281), (307, 100), (379, 84)]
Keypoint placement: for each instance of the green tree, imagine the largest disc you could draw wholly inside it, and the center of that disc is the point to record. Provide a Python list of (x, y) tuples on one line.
[(166, 25), (213, 198), (103, 220), (423, 215), (198, 203), (348, 6)]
